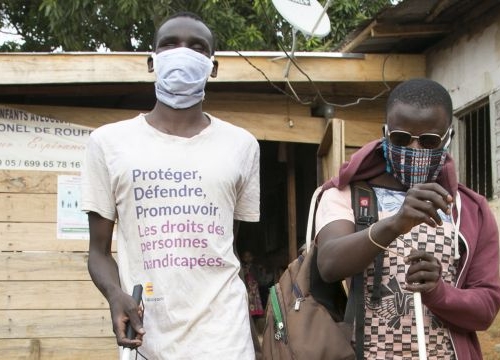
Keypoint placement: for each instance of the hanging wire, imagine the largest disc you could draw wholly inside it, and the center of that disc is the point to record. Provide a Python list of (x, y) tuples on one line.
[(138, 353), (318, 94)]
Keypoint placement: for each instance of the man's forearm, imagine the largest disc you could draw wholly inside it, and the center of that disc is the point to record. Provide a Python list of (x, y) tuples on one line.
[(104, 273)]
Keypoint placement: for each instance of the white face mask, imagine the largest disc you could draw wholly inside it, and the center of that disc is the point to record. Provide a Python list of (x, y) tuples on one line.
[(181, 75)]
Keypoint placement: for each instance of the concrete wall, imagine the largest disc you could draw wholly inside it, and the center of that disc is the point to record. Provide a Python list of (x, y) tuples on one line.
[(468, 63)]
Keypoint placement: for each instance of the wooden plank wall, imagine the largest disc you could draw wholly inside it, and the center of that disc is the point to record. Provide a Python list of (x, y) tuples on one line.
[(269, 117), (49, 308)]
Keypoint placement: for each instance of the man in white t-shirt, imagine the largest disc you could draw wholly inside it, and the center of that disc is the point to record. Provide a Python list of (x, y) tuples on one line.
[(176, 181)]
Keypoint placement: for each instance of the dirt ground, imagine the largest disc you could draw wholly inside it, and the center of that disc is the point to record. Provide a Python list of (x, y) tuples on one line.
[(490, 341)]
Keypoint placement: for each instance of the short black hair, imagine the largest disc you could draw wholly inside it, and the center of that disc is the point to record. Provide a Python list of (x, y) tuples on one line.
[(187, 14), (422, 93)]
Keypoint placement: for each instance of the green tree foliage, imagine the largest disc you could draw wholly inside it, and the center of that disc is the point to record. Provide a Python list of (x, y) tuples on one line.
[(128, 25)]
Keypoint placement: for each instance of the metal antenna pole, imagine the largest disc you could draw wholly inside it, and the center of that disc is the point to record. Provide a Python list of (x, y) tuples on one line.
[(292, 53), (327, 5)]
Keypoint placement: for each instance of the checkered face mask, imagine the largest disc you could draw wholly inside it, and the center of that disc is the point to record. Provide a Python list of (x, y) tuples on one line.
[(413, 166)]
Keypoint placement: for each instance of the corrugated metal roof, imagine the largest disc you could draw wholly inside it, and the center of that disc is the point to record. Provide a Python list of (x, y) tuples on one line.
[(413, 26)]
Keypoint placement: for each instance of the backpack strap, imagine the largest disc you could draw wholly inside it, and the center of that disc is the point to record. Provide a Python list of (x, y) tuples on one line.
[(364, 205), (319, 289), (311, 217)]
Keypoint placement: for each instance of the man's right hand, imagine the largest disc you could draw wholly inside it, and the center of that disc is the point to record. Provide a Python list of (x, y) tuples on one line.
[(421, 205), (124, 309)]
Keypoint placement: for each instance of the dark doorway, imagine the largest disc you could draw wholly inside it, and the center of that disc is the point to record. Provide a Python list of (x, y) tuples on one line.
[(268, 239)]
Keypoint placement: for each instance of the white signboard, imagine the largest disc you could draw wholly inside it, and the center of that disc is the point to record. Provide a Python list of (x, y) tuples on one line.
[(72, 222), (34, 142)]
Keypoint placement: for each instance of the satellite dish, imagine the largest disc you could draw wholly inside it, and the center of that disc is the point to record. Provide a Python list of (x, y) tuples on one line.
[(307, 16)]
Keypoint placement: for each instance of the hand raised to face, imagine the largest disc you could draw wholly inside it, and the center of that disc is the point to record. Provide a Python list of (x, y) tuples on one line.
[(421, 205)]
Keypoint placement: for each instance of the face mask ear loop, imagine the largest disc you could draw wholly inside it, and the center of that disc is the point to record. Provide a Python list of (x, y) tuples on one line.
[(153, 56), (447, 144), (458, 204), (384, 147)]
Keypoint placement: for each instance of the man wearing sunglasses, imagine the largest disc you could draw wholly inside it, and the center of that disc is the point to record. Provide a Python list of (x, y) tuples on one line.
[(434, 235)]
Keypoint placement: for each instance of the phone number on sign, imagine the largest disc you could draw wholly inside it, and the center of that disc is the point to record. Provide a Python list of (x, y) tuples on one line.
[(48, 164)]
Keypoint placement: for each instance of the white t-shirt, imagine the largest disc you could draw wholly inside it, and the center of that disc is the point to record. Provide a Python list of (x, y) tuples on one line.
[(174, 200)]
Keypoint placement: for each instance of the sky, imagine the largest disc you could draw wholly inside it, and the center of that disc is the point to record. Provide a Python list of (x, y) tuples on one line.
[(7, 34)]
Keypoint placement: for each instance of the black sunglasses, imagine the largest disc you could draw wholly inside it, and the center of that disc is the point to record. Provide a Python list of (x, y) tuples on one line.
[(404, 138)]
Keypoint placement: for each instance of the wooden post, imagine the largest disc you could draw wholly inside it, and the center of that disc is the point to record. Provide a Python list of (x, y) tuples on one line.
[(292, 202), (331, 150)]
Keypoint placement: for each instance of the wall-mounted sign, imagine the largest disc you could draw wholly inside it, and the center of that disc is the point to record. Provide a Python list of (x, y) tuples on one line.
[(72, 222), (34, 142)]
